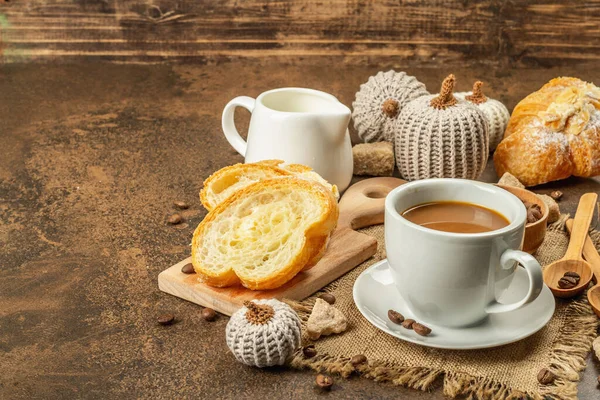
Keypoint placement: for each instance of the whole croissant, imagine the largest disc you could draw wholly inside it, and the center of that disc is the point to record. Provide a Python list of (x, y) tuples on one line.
[(553, 133)]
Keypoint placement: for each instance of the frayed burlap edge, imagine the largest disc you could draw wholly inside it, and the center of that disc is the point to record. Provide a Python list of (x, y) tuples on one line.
[(568, 358)]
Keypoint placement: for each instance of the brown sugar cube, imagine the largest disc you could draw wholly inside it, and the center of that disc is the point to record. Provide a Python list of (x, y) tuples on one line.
[(510, 180), (374, 159), (553, 210)]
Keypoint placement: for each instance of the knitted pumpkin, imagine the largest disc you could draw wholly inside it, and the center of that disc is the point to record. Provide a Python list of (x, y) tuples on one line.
[(380, 100), (441, 137), (263, 333), (495, 112)]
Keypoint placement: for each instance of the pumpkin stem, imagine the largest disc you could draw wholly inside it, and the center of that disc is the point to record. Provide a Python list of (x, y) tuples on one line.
[(445, 99), (477, 97), (391, 108), (258, 314)]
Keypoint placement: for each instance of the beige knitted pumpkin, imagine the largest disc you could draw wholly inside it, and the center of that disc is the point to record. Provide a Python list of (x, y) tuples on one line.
[(441, 137), (380, 100), (264, 333), (496, 113)]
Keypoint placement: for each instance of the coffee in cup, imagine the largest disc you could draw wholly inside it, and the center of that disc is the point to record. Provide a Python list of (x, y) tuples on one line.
[(453, 278), (455, 216)]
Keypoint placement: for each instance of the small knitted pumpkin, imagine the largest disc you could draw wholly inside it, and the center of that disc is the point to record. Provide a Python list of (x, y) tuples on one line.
[(380, 100), (263, 333), (495, 112), (441, 137)]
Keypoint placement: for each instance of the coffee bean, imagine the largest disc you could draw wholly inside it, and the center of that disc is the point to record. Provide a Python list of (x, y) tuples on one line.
[(166, 319), (209, 314), (567, 282), (182, 205), (556, 195), (328, 297), (309, 351), (324, 381), (188, 269), (358, 360), (408, 323), (175, 219), (598, 379), (527, 204), (395, 316), (534, 214), (421, 329), (573, 274), (545, 377)]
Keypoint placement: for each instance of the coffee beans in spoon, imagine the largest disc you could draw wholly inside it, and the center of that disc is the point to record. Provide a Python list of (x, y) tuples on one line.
[(573, 274), (569, 280)]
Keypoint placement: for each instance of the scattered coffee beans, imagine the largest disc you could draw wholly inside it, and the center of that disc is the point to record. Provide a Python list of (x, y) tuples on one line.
[(166, 319), (188, 269), (421, 329), (209, 314), (328, 297), (556, 195), (545, 377), (395, 317), (175, 219), (324, 381), (309, 351), (182, 205), (408, 323), (358, 360)]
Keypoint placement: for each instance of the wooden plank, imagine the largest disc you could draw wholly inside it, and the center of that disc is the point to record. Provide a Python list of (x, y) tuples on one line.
[(346, 250), (362, 205), (489, 31)]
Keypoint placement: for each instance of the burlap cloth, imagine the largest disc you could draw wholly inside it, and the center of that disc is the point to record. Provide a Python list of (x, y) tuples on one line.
[(506, 372)]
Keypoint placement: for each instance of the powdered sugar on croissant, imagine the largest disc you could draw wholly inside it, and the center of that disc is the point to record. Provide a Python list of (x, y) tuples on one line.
[(553, 133)]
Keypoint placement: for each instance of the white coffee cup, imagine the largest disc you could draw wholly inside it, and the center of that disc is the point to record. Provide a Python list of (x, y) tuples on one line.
[(296, 125), (455, 279)]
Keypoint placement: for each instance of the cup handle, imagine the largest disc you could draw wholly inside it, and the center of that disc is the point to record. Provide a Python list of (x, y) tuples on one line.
[(228, 124), (536, 282)]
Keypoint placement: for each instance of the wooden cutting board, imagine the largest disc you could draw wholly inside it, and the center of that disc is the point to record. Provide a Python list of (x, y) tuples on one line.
[(361, 205)]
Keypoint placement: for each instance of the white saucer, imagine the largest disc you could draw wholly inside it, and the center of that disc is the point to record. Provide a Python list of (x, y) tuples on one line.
[(375, 294)]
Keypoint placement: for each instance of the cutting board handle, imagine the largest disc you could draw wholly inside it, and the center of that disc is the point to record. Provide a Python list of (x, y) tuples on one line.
[(362, 204)]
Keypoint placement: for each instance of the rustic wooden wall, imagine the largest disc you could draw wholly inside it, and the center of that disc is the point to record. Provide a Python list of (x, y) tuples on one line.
[(528, 32)]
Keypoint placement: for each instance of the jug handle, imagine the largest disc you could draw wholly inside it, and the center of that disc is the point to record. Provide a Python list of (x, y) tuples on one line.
[(228, 124)]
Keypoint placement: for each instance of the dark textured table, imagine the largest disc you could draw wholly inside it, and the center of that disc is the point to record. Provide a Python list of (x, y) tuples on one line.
[(92, 155)]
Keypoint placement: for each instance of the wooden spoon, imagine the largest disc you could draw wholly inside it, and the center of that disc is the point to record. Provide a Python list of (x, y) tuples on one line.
[(591, 255), (573, 261)]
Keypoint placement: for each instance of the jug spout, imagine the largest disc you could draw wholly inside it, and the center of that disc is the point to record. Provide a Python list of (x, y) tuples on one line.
[(336, 119)]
